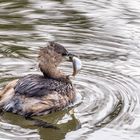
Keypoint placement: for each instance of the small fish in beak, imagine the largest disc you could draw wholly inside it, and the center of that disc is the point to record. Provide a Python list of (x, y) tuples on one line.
[(77, 65)]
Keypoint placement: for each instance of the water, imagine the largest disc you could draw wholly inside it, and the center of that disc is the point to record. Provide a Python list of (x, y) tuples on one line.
[(106, 35)]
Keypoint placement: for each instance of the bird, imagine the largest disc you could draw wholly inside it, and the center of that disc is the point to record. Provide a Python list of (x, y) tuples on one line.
[(41, 94)]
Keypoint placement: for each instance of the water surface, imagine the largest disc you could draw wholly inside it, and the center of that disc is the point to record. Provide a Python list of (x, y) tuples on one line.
[(106, 36)]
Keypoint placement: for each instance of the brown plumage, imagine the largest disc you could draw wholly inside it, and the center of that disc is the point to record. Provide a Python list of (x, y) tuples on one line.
[(40, 94)]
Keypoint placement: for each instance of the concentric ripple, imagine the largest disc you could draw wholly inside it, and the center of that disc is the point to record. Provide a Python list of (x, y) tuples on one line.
[(109, 100)]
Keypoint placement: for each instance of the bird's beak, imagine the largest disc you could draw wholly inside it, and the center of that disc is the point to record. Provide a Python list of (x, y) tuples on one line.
[(77, 64)]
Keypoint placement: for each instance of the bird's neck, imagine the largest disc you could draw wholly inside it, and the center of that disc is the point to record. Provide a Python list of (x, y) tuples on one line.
[(53, 72)]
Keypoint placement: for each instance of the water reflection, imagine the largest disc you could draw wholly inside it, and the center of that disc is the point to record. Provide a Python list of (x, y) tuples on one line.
[(63, 120), (105, 34)]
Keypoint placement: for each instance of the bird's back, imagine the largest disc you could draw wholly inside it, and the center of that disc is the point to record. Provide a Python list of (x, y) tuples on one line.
[(38, 85)]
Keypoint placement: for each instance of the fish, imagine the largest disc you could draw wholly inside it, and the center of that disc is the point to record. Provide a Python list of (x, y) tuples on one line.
[(77, 65)]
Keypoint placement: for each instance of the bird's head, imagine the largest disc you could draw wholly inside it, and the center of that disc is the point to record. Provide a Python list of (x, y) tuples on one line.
[(51, 56)]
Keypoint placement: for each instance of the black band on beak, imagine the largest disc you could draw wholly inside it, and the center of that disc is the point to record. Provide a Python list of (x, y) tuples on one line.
[(70, 55)]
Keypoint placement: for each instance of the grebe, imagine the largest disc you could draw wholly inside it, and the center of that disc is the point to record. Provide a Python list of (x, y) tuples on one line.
[(35, 95)]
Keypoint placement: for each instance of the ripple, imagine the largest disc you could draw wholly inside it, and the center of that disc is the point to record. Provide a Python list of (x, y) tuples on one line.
[(109, 101), (8, 131)]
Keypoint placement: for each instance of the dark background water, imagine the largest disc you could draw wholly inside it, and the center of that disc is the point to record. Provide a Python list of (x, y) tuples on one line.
[(106, 36)]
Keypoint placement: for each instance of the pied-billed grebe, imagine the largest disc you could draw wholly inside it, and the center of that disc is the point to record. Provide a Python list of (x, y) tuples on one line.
[(42, 94)]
